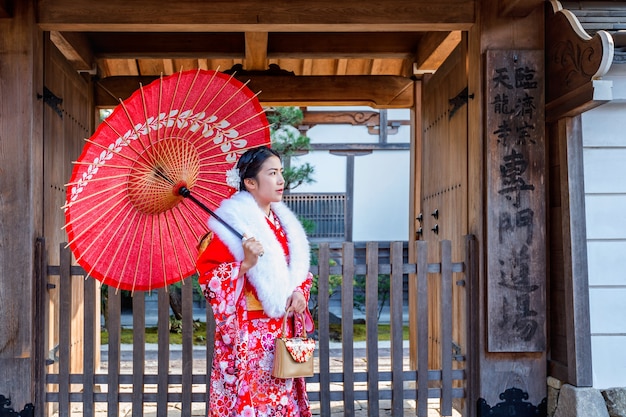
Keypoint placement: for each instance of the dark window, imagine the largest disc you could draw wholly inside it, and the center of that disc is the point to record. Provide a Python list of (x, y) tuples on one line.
[(326, 213)]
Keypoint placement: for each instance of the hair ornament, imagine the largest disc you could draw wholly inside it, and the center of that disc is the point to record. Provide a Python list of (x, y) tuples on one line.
[(232, 178)]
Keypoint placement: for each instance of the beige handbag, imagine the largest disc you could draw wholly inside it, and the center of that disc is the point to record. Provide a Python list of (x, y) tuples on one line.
[(293, 356)]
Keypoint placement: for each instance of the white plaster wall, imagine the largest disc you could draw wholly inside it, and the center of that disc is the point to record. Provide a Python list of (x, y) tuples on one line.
[(329, 175), (609, 365), (604, 153), (607, 262), (381, 197), (606, 216), (381, 189)]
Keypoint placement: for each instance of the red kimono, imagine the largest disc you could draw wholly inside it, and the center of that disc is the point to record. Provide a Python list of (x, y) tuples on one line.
[(241, 381)]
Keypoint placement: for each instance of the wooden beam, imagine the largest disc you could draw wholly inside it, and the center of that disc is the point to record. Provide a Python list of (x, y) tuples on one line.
[(338, 148), (75, 48), (256, 51), (518, 8), (281, 45), (143, 45), (579, 100), (256, 15), (434, 49), (371, 119), (354, 118), (376, 92), (343, 45)]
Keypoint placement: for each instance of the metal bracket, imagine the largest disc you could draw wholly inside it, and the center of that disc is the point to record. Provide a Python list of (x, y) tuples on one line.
[(6, 411), (513, 405), (457, 102), (51, 100), (392, 128), (92, 71), (53, 356), (457, 352), (273, 69)]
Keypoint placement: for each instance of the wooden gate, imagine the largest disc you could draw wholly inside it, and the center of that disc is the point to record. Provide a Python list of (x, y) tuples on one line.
[(121, 383), (441, 155)]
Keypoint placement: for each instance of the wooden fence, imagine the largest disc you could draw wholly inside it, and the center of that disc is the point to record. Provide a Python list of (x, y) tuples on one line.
[(92, 386)]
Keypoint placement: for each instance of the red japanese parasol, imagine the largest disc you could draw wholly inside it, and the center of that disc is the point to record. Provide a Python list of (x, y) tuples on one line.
[(129, 218)]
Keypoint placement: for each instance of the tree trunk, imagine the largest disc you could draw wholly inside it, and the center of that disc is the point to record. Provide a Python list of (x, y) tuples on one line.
[(176, 302)]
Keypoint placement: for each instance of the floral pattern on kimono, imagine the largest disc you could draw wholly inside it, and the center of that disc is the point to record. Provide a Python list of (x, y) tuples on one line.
[(241, 381)]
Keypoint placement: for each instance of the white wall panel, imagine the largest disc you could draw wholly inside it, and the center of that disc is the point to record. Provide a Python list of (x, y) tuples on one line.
[(607, 262), (609, 361), (329, 175), (604, 125), (604, 155), (381, 196), (605, 170), (608, 314), (606, 216)]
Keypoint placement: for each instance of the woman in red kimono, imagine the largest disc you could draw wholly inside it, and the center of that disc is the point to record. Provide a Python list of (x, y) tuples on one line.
[(250, 285)]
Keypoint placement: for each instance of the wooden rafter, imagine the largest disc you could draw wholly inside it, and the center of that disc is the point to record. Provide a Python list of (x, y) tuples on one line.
[(343, 45), (321, 38), (256, 51), (75, 47), (434, 49)]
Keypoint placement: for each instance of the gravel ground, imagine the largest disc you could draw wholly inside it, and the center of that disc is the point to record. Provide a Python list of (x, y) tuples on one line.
[(199, 367)]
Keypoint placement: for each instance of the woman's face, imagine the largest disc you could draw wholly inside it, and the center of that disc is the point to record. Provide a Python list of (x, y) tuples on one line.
[(268, 185)]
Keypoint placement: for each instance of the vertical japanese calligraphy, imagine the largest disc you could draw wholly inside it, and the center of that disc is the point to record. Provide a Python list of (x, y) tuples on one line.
[(515, 141)]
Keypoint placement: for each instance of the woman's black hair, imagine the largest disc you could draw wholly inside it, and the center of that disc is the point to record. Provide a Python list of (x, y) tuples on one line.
[(250, 163)]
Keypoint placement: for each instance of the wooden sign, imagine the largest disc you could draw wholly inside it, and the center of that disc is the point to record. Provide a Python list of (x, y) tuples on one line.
[(516, 165)]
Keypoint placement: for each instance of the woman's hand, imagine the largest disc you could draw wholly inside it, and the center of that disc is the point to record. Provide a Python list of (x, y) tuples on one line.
[(296, 302), (252, 249)]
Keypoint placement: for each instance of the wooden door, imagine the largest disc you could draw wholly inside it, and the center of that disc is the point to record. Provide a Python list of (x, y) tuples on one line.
[(441, 194), (68, 120)]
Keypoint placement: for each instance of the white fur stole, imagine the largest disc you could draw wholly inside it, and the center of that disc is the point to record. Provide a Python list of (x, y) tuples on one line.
[(273, 279)]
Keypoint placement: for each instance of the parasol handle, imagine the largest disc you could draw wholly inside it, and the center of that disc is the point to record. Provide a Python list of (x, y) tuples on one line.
[(184, 191)]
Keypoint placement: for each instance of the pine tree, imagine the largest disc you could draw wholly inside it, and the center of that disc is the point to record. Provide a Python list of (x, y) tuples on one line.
[(289, 142)]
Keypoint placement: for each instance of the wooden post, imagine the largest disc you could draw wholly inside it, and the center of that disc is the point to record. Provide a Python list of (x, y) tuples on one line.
[(499, 371), (576, 282), (21, 78)]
